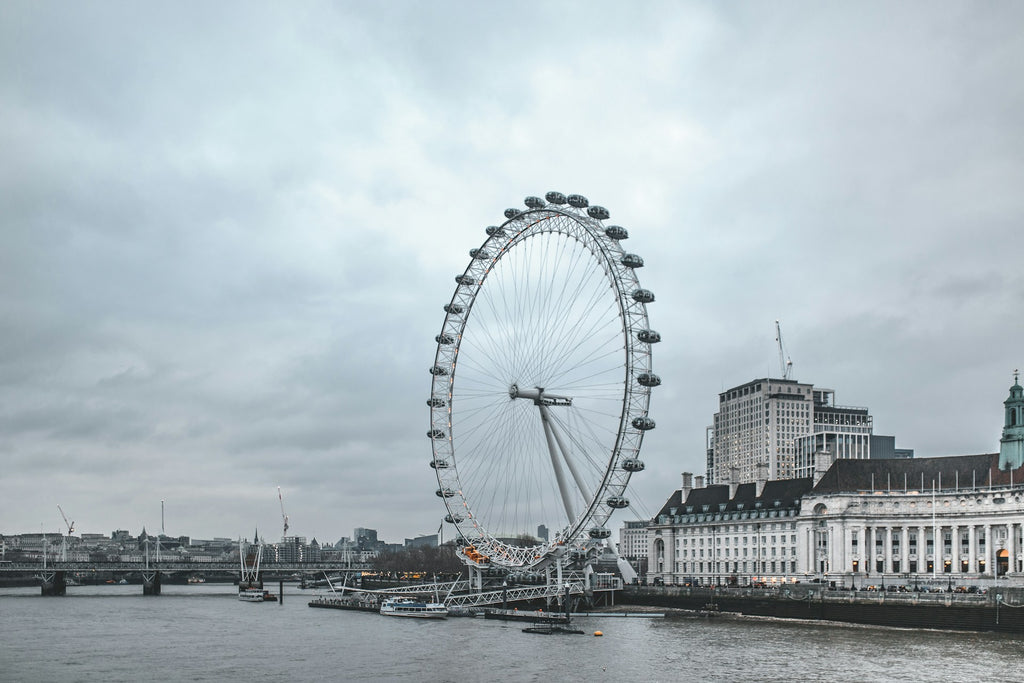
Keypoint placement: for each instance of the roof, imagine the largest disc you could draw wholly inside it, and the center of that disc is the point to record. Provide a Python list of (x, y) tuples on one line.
[(782, 493), (916, 474), (846, 476)]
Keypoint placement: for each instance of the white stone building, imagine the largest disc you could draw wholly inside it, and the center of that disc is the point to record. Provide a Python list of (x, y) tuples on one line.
[(954, 521)]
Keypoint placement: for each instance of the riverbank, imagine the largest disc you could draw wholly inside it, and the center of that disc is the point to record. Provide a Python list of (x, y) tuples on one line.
[(1001, 610)]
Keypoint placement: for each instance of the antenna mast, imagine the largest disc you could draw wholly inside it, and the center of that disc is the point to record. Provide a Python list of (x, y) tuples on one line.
[(785, 363)]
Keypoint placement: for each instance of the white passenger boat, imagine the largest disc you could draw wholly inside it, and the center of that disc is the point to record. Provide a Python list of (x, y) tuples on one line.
[(407, 607), (250, 594)]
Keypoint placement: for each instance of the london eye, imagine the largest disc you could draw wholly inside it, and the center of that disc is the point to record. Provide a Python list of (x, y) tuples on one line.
[(541, 384)]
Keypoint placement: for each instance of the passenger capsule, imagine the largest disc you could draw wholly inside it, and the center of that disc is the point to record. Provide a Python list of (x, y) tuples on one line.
[(644, 296), (632, 261), (599, 532), (494, 230), (555, 197), (439, 464), (633, 465), (648, 379), (444, 493), (618, 502), (435, 402), (648, 336), (465, 280), (643, 423), (438, 371), (479, 254), (578, 200), (453, 308), (453, 519), (444, 339), (534, 202), (512, 213), (616, 232), (598, 212), (436, 434)]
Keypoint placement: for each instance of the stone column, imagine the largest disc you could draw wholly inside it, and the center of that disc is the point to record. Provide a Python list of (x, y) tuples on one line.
[(905, 550), (972, 549), (922, 550), (988, 549), (1011, 547), (887, 550), (954, 532), (864, 554)]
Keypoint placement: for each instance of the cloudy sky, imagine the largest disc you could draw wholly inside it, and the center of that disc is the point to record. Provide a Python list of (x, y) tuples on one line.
[(227, 231)]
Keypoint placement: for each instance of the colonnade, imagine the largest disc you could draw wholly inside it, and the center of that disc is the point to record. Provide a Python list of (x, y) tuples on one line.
[(919, 548)]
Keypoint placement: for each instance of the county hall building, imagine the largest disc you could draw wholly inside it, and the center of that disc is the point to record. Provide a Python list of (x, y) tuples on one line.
[(855, 522)]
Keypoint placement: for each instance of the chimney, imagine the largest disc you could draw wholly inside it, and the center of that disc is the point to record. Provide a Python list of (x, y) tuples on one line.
[(762, 478), (698, 481), (687, 486), (734, 481), (822, 463)]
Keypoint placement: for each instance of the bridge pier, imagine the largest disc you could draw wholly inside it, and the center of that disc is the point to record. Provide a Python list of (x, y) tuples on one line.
[(151, 583), (53, 583)]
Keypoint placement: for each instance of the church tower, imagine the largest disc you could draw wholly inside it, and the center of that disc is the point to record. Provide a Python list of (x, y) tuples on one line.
[(1011, 446)]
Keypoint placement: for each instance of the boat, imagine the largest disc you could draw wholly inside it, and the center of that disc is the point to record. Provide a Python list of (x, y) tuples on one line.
[(553, 629), (533, 616), (345, 602), (407, 607), (250, 594), (196, 579)]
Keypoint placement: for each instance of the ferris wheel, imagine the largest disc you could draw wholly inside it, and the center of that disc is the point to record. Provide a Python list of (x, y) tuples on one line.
[(541, 384)]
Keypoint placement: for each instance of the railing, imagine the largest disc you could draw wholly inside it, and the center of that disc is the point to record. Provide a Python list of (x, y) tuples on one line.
[(178, 566)]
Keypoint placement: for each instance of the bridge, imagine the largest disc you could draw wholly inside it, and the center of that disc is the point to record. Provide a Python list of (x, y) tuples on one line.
[(53, 574), (461, 593)]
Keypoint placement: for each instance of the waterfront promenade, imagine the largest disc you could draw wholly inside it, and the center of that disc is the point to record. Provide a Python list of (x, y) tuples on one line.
[(999, 609)]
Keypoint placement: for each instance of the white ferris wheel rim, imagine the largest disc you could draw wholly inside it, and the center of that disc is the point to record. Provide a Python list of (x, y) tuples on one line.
[(488, 457)]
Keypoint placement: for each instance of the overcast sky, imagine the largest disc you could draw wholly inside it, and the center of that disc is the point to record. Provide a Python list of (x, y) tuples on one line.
[(228, 231)]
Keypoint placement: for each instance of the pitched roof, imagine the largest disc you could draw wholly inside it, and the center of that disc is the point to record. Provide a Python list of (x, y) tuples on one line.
[(782, 493), (916, 474)]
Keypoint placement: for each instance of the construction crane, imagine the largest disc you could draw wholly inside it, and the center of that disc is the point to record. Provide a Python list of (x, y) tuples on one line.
[(63, 538), (284, 517), (785, 362)]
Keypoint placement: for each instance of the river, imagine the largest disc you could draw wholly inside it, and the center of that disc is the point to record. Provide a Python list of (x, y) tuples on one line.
[(203, 633)]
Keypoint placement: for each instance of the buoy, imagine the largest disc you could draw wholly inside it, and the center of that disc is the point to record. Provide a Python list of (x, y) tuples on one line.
[(598, 633)]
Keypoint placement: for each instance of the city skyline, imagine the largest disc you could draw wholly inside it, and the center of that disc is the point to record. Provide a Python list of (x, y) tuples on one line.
[(227, 242)]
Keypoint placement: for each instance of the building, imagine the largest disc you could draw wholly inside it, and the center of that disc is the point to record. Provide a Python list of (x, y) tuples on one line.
[(633, 544), (1011, 446), (884, 448), (855, 522), (784, 424), (727, 534), (429, 541)]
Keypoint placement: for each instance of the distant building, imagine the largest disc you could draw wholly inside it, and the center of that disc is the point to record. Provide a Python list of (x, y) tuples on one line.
[(422, 542), (784, 424), (884, 448), (633, 544), (365, 539), (542, 532)]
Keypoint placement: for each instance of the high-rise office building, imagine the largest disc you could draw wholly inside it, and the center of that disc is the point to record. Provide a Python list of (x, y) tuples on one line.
[(781, 424)]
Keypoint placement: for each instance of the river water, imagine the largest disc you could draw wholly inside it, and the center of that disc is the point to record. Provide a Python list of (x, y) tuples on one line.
[(203, 633)]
